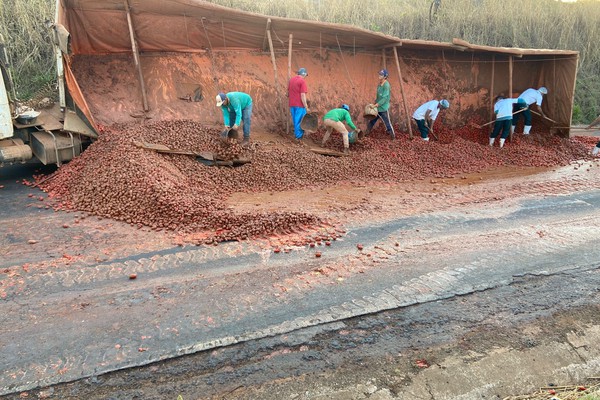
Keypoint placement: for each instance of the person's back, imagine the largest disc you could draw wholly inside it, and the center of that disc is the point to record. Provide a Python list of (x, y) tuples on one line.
[(296, 87)]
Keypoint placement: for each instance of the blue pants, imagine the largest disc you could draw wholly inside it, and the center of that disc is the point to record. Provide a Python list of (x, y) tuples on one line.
[(526, 115), (502, 125), (422, 128), (384, 115), (297, 114), (246, 120)]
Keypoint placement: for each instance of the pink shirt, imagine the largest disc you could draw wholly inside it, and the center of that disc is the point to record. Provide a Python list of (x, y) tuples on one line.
[(296, 87)]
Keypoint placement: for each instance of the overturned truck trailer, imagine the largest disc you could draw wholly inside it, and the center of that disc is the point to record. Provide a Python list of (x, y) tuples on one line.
[(168, 59)]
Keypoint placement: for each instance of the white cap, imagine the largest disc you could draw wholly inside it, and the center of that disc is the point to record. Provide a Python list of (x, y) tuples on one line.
[(543, 90), (220, 99)]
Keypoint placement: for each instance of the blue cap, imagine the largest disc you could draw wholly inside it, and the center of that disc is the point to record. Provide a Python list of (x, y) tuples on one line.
[(444, 103), (302, 71), (384, 73), (345, 107)]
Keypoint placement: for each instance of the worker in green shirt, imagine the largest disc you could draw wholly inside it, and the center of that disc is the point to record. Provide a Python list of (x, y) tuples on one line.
[(335, 119), (382, 102), (237, 109)]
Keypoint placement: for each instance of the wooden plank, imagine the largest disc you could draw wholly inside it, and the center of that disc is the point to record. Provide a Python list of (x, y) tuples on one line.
[(492, 94), (274, 68), (410, 134), (287, 120), (327, 152), (136, 56), (510, 88)]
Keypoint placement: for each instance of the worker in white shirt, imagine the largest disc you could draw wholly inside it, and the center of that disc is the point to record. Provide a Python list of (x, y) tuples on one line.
[(426, 114), (503, 109), (532, 97)]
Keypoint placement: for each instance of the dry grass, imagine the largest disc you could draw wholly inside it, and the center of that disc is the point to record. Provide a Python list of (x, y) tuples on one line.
[(515, 23), (28, 43), (571, 392)]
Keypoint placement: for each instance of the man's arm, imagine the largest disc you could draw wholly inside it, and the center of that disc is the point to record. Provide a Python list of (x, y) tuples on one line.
[(304, 103)]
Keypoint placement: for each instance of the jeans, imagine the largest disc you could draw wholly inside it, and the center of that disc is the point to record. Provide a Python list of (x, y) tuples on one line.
[(384, 115), (297, 114), (246, 120)]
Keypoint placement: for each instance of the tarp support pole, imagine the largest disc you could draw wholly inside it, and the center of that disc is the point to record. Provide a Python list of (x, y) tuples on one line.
[(570, 116), (136, 55), (510, 86), (492, 87), (410, 134), (274, 66), (287, 120)]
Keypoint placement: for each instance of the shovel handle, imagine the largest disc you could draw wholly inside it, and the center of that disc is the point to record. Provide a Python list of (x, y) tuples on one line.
[(491, 122)]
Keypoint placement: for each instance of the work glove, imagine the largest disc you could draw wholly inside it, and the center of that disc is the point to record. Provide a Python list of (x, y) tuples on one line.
[(235, 126)]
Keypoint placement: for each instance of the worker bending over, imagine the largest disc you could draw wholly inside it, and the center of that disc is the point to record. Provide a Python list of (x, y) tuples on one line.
[(237, 109), (531, 97), (335, 119), (426, 114), (503, 109)]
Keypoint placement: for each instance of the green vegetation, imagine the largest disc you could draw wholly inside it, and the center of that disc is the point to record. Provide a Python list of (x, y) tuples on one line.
[(28, 43), (512, 23)]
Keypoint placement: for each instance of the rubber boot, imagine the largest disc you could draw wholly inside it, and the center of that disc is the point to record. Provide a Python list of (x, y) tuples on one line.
[(595, 151), (526, 129), (426, 139), (492, 140), (502, 143), (512, 129), (246, 142)]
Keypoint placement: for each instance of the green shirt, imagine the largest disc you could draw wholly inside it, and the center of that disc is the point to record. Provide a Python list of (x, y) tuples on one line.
[(237, 102), (383, 96), (339, 114)]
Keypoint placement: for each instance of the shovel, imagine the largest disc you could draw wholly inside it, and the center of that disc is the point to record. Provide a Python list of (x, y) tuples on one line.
[(546, 118), (205, 157), (208, 158), (491, 122)]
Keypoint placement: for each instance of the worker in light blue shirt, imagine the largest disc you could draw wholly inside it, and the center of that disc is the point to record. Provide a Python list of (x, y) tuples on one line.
[(531, 97), (503, 109), (426, 114), (237, 110)]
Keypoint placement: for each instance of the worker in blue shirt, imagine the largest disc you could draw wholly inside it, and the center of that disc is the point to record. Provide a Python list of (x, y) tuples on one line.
[(237, 110)]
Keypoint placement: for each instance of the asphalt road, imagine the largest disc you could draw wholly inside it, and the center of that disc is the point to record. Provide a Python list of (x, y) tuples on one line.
[(236, 308)]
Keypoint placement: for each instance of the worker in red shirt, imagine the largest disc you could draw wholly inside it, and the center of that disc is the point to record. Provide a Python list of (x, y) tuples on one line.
[(297, 90)]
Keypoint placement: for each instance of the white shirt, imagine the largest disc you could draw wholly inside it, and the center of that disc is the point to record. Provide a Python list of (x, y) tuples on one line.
[(503, 108), (422, 110), (532, 96)]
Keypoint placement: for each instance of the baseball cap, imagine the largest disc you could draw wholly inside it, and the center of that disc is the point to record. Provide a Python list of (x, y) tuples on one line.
[(220, 99), (302, 71), (444, 103), (384, 73)]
